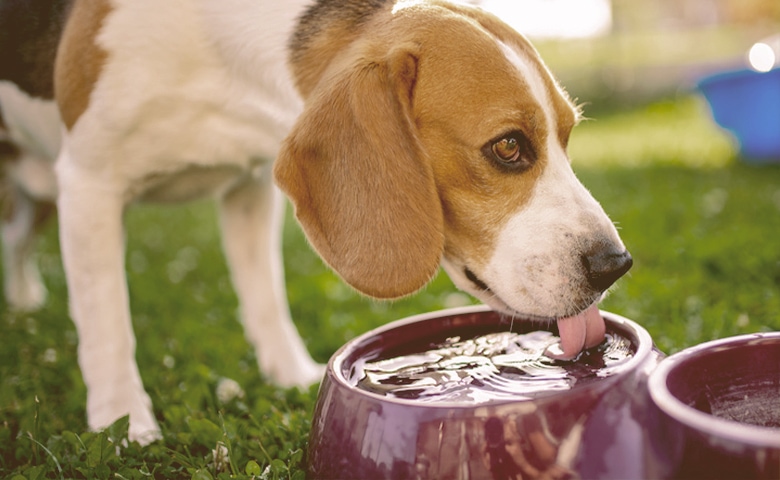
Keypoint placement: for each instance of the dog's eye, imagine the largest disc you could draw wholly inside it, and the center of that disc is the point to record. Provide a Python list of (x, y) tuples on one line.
[(507, 149), (512, 150)]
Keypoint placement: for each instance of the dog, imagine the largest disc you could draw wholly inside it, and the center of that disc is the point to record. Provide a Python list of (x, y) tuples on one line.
[(408, 135)]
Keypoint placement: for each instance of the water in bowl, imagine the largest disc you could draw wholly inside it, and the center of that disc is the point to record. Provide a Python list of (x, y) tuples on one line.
[(490, 367)]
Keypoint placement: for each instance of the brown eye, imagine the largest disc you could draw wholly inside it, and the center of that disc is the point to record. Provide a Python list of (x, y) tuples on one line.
[(507, 149), (510, 151)]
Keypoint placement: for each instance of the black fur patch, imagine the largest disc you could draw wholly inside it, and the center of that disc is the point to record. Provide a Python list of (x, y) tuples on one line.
[(30, 31), (324, 13)]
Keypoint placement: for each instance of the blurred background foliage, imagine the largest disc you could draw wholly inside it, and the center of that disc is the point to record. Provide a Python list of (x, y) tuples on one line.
[(658, 48), (703, 227)]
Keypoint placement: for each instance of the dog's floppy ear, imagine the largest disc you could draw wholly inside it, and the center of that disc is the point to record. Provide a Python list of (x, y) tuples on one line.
[(362, 189)]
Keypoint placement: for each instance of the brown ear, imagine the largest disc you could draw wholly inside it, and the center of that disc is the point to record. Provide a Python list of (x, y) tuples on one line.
[(362, 189)]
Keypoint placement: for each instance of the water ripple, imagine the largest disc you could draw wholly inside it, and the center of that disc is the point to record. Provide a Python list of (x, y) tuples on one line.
[(486, 368)]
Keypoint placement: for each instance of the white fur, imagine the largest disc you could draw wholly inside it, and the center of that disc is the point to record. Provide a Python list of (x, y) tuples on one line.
[(535, 254), (192, 100), (183, 102), (545, 236), (23, 287), (33, 125)]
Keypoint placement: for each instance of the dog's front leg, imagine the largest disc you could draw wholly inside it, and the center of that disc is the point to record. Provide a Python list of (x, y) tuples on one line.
[(251, 218), (92, 242)]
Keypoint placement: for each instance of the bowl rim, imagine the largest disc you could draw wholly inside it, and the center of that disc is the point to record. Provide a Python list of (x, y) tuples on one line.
[(764, 437), (645, 347)]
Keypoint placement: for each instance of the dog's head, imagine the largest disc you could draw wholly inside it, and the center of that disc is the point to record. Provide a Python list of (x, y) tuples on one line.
[(438, 136)]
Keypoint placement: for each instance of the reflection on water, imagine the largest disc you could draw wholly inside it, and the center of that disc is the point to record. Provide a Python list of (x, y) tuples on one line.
[(490, 367)]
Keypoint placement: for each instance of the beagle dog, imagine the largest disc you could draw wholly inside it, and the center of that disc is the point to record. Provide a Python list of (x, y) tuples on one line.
[(408, 134)]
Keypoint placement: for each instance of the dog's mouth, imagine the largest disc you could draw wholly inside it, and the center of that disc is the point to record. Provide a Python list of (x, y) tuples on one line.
[(577, 332)]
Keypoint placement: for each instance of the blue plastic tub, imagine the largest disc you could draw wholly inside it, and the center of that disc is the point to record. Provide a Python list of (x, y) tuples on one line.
[(747, 103)]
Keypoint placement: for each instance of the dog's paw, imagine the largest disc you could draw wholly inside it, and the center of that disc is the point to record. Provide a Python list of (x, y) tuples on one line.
[(144, 433), (143, 426), (314, 374), (303, 375), (25, 293)]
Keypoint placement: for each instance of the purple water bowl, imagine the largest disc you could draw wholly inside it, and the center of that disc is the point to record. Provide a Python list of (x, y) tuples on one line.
[(594, 429), (716, 410)]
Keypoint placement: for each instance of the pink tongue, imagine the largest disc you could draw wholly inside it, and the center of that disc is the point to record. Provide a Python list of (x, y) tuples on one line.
[(581, 331)]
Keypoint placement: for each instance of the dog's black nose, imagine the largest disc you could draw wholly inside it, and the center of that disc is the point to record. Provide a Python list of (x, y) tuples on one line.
[(605, 266)]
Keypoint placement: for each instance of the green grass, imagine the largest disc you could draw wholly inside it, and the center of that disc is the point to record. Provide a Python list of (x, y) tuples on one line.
[(702, 226)]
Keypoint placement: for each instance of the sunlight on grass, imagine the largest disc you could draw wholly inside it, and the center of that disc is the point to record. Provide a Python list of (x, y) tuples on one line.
[(673, 132)]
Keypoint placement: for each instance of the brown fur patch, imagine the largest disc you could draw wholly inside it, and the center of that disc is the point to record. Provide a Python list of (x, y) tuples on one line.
[(567, 115), (79, 59), (352, 167), (468, 94), (355, 159)]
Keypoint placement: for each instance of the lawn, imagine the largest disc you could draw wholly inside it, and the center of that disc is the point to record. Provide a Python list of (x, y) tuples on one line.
[(703, 227)]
